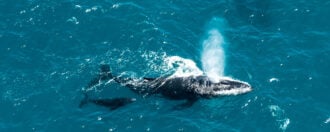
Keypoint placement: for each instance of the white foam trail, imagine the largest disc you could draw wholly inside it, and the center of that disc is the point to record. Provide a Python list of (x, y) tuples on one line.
[(279, 114), (213, 56)]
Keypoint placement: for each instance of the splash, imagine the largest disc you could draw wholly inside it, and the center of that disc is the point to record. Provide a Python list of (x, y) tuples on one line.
[(170, 66), (213, 56), (182, 67)]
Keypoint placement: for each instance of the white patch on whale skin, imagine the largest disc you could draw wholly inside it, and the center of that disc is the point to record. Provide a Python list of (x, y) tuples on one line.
[(233, 91)]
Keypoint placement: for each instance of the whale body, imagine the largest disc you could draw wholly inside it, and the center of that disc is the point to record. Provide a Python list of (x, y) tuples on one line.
[(190, 88)]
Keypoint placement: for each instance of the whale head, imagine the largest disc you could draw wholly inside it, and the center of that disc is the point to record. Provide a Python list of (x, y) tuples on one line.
[(229, 86), (225, 86)]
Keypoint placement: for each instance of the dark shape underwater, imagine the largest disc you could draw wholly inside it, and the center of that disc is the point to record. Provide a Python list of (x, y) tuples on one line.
[(112, 104)]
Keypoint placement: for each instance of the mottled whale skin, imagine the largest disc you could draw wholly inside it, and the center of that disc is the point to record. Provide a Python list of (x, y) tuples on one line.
[(189, 88)]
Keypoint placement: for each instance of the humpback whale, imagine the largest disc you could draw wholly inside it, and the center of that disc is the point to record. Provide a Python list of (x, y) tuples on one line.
[(190, 88), (112, 103)]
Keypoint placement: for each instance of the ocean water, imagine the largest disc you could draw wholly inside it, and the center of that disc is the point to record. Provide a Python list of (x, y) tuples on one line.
[(50, 50)]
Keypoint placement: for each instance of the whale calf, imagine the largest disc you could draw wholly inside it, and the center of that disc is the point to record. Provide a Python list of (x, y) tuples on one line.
[(111, 103), (190, 88)]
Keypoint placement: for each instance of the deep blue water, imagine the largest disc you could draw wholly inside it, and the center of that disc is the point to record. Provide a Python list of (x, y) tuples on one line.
[(51, 49)]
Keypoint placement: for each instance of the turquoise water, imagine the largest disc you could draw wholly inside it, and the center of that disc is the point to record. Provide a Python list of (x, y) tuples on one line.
[(51, 49)]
